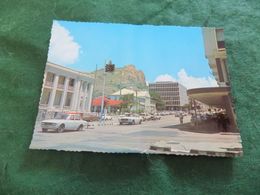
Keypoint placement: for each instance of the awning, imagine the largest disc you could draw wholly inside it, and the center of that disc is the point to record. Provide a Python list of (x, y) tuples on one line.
[(212, 96), (98, 101), (114, 102), (108, 102)]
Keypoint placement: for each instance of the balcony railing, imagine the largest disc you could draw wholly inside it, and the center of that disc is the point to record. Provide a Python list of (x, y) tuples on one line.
[(66, 107), (43, 105), (48, 83), (60, 86), (71, 88)]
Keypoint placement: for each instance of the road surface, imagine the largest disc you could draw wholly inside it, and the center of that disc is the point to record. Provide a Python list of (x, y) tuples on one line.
[(160, 136)]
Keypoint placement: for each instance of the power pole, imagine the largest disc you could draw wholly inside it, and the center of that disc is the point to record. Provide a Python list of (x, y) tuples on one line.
[(103, 96), (95, 80)]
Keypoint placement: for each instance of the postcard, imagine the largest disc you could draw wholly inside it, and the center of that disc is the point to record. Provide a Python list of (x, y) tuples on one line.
[(123, 88)]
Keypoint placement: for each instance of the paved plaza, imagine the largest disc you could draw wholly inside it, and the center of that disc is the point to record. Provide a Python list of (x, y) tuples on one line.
[(166, 136)]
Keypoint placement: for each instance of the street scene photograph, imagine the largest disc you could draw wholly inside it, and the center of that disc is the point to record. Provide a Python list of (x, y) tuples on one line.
[(123, 88)]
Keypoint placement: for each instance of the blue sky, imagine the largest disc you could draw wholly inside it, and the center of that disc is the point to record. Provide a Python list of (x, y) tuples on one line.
[(156, 50)]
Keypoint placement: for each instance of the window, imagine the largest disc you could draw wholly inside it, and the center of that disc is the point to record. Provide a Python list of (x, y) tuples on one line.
[(71, 82), (84, 86), (49, 79), (220, 73), (57, 99), (61, 82), (220, 38), (45, 96), (71, 117), (76, 117), (68, 99)]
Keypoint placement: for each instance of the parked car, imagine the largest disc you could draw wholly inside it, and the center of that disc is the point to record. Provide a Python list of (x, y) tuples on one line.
[(106, 117), (130, 120), (145, 116), (64, 121), (90, 117), (155, 117)]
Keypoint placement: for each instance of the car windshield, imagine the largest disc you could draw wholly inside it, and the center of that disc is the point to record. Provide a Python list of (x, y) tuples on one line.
[(61, 116)]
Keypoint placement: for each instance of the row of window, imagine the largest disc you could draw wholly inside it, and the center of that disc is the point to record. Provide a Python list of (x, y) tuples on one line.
[(61, 82), (165, 89), (169, 94), (163, 85), (172, 103), (170, 98), (45, 98)]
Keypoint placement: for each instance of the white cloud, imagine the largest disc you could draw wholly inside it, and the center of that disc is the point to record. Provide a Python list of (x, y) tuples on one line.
[(165, 77), (63, 49), (195, 82), (189, 81)]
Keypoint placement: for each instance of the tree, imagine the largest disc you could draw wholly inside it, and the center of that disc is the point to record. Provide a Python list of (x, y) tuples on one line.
[(159, 103), (186, 107), (128, 101)]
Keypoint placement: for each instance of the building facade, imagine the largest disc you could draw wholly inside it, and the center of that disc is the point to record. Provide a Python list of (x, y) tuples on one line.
[(172, 93), (64, 90), (220, 96), (142, 99), (215, 52)]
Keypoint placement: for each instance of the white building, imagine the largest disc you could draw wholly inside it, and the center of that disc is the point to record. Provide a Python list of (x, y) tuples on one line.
[(143, 99), (173, 94), (64, 90)]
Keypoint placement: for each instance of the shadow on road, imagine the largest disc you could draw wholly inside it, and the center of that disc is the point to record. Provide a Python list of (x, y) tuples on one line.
[(209, 128)]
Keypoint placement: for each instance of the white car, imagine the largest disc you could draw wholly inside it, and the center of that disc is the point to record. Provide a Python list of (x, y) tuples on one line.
[(145, 116), (106, 118), (155, 117), (64, 121), (131, 120)]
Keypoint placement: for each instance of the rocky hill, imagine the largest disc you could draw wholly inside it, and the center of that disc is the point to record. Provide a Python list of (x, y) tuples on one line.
[(127, 76)]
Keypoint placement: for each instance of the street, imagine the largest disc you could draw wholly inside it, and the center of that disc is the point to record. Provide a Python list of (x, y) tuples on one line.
[(161, 136)]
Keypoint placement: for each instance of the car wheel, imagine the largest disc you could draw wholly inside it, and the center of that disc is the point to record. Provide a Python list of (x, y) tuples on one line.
[(80, 128), (140, 122), (133, 122), (120, 123), (61, 128), (44, 130)]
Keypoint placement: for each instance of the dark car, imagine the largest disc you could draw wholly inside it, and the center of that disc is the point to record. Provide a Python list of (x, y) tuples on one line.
[(90, 117)]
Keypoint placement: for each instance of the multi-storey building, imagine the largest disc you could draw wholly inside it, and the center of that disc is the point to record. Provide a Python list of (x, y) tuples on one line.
[(172, 93), (64, 90), (219, 97), (215, 52)]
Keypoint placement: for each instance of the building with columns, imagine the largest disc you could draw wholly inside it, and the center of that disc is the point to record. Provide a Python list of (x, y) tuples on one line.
[(64, 90)]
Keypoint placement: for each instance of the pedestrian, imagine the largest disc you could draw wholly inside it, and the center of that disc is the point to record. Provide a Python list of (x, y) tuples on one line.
[(181, 118), (225, 122)]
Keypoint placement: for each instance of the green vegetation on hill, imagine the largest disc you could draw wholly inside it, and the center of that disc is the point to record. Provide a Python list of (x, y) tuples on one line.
[(126, 77)]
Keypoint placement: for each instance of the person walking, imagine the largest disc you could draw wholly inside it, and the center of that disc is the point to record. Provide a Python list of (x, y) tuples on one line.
[(181, 118)]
